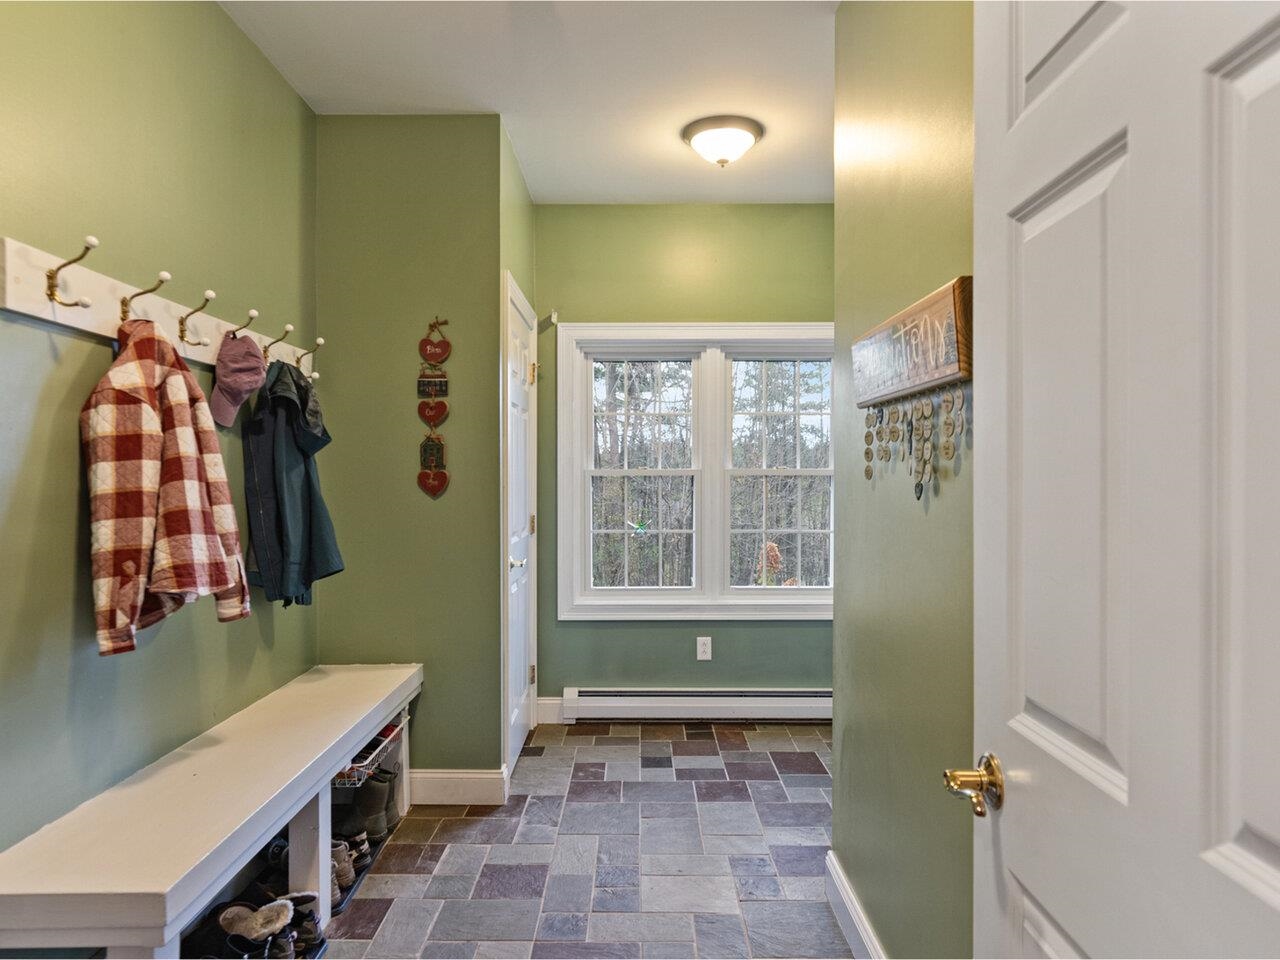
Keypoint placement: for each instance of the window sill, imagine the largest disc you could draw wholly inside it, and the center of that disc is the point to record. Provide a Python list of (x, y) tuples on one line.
[(609, 608)]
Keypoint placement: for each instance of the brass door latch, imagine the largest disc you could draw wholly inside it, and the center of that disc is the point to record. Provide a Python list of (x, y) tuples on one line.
[(984, 787)]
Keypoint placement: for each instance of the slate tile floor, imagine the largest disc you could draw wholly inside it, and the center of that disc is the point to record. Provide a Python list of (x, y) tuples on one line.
[(619, 840)]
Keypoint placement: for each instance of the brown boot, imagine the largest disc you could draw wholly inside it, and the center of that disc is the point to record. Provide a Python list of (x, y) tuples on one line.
[(343, 871)]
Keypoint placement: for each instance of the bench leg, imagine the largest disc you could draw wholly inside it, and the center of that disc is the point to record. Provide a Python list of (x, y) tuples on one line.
[(403, 795), (310, 861), (169, 949)]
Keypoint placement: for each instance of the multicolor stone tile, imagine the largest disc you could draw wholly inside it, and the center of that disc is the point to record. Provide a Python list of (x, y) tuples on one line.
[(627, 840)]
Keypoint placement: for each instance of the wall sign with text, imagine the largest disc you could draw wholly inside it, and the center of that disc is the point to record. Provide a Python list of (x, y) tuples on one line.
[(908, 372), (921, 348)]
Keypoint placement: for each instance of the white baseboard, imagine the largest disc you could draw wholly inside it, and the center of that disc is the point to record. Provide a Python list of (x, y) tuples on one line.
[(459, 786), (852, 918), (549, 710)]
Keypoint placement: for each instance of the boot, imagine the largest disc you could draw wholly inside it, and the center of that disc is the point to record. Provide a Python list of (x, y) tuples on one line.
[(392, 777), (348, 826), (283, 945), (244, 930), (306, 920), (343, 871), (371, 804)]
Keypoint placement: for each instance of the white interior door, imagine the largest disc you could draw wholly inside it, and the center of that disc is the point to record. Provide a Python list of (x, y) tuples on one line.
[(1127, 498), (520, 478)]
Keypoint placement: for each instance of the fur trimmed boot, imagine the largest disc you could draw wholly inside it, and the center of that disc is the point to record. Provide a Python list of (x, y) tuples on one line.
[(371, 804), (244, 930), (244, 920), (211, 939)]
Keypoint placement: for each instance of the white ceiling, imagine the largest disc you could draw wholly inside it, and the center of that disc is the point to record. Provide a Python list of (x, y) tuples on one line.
[(593, 94)]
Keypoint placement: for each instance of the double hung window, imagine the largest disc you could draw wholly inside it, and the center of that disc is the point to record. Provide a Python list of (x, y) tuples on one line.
[(695, 471)]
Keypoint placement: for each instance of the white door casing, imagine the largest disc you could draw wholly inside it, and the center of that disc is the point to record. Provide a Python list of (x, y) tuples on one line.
[(519, 498), (1126, 524)]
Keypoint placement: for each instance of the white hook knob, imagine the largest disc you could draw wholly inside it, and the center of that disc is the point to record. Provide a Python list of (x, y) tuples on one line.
[(253, 314), (319, 341), (165, 276), (210, 295), (204, 341), (85, 302), (288, 328), (314, 375), (91, 242)]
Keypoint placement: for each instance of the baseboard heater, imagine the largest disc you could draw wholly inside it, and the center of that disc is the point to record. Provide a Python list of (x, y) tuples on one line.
[(695, 703)]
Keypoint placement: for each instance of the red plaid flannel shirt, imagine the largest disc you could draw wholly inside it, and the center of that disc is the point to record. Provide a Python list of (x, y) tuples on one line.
[(162, 525)]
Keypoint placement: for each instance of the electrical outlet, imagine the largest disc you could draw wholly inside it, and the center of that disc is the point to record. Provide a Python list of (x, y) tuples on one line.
[(704, 648)]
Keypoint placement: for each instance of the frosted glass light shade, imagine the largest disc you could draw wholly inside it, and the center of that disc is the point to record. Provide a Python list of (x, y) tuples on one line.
[(722, 140)]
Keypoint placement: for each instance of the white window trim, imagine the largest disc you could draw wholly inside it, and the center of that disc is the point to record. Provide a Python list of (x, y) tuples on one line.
[(577, 345)]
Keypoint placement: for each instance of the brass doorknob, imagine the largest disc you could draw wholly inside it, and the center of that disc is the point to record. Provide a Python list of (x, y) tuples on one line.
[(984, 787)]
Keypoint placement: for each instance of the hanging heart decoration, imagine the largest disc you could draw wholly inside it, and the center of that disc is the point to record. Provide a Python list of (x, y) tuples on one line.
[(434, 412), (434, 347), (433, 482), (433, 387)]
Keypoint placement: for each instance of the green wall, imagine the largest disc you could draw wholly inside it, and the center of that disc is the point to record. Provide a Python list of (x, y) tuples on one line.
[(408, 228), (518, 227), (903, 623), (656, 262), (161, 129)]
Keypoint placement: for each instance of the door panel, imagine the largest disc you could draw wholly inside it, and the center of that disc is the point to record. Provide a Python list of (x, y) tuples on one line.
[(1069, 289), (1243, 644), (1050, 38), (1040, 934), (1127, 534)]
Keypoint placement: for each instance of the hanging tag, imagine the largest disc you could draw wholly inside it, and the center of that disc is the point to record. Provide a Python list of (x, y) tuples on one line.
[(433, 478), (434, 347), (432, 382), (434, 412), (431, 452), (433, 482)]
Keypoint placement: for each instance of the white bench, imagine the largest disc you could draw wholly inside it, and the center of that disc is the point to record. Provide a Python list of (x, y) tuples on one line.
[(134, 865)]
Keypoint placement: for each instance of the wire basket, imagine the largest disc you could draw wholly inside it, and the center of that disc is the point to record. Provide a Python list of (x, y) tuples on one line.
[(362, 766)]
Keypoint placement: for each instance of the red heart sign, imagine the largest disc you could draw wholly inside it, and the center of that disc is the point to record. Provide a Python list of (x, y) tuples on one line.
[(434, 412), (434, 351), (433, 482)]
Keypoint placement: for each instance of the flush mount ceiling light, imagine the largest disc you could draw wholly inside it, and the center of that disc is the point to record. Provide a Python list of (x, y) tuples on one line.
[(722, 140)]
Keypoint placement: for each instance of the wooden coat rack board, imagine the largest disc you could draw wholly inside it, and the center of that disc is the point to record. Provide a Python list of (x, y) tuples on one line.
[(22, 290)]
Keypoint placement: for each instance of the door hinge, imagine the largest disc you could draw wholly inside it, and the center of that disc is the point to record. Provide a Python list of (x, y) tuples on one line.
[(533, 673), (533, 523), (533, 372)]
